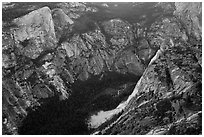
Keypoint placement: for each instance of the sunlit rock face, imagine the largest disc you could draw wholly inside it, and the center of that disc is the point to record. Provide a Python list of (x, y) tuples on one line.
[(23, 87), (169, 95), (35, 33), (190, 14), (8, 57), (91, 54), (60, 65)]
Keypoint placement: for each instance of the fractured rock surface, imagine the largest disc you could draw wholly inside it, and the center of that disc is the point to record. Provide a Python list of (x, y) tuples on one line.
[(35, 33), (60, 54)]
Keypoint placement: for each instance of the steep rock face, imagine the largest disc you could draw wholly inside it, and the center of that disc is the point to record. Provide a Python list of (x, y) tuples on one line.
[(43, 57), (85, 55), (8, 57), (61, 21), (190, 14), (23, 86), (120, 37), (35, 33), (36, 67), (168, 96), (91, 54)]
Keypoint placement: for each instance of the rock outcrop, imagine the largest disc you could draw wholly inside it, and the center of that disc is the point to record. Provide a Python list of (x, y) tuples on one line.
[(46, 52), (190, 14), (37, 65), (168, 98), (61, 21), (32, 37), (35, 33)]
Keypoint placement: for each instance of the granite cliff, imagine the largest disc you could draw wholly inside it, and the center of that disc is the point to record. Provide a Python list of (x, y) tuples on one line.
[(59, 66)]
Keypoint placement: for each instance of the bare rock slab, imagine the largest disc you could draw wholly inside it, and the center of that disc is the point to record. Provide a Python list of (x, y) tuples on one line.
[(35, 32)]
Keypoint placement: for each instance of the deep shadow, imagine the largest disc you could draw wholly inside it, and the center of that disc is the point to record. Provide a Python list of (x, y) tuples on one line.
[(69, 116), (54, 117)]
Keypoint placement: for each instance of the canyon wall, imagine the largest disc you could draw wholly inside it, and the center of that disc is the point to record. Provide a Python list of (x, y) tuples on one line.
[(47, 51)]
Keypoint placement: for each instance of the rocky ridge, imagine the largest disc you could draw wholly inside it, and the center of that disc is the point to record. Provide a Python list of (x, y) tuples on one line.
[(168, 96), (43, 57)]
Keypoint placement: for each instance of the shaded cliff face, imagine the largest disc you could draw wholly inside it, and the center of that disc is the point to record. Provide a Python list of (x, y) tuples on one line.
[(63, 62)]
